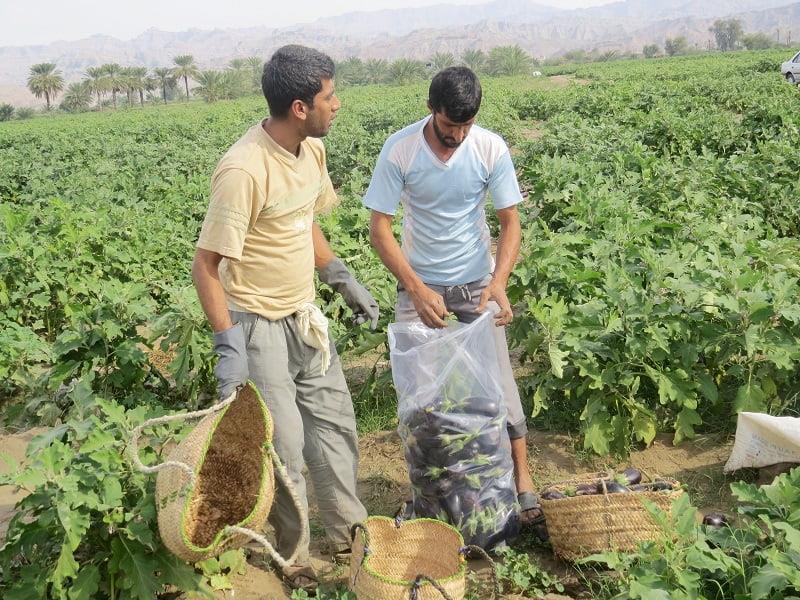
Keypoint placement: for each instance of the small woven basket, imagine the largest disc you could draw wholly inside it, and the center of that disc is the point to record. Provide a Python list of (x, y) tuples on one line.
[(579, 526), (397, 560)]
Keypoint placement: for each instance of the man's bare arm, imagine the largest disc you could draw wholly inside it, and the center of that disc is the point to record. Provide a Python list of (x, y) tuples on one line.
[(205, 274), (507, 252), (322, 249)]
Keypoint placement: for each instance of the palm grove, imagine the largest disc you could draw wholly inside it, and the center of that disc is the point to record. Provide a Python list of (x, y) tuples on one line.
[(103, 86)]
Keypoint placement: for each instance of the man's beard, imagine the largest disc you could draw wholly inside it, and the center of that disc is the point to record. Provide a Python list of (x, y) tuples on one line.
[(447, 142)]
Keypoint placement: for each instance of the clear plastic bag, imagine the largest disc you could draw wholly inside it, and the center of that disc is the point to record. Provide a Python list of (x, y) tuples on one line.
[(453, 427)]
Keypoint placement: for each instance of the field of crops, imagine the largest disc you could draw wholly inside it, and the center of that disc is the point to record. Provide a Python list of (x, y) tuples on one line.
[(657, 291)]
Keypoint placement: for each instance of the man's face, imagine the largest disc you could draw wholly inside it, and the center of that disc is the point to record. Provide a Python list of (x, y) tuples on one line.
[(449, 133), (321, 115)]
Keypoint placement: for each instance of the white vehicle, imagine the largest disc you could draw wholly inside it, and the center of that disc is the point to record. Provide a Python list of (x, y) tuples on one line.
[(791, 69)]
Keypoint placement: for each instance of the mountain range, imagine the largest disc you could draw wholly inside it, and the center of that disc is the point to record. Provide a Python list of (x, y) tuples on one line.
[(416, 33)]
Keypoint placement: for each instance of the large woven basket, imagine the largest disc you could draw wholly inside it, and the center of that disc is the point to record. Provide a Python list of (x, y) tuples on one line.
[(398, 560), (579, 526), (234, 483)]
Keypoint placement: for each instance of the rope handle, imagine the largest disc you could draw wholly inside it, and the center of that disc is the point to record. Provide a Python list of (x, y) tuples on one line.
[(136, 434), (302, 542), (413, 594), (464, 550), (365, 532), (283, 475)]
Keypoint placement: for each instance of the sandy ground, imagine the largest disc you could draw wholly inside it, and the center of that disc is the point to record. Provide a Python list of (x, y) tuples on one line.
[(383, 484)]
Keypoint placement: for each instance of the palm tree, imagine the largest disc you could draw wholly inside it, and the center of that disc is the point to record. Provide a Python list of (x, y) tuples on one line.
[(377, 70), (350, 71), (45, 80), (6, 112), (212, 85), (404, 70), (509, 60), (185, 68), (166, 79), (97, 83), (256, 65), (114, 80), (78, 97), (475, 60), (441, 60), (138, 83)]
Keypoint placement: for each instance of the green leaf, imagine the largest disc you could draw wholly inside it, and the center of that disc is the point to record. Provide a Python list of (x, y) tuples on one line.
[(86, 583), (644, 427), (557, 361), (684, 424), (112, 491), (766, 580), (136, 569), (749, 398), (792, 535)]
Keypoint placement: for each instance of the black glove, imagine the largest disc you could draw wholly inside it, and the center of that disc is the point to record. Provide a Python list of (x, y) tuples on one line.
[(231, 369), (360, 301)]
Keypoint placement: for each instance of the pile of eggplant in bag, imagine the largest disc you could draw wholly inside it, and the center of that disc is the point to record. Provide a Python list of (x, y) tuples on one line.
[(459, 459)]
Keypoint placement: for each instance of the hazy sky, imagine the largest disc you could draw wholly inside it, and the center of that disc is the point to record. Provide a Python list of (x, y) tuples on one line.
[(43, 21)]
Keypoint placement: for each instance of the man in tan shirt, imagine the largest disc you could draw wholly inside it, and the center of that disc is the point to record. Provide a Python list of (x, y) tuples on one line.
[(254, 274)]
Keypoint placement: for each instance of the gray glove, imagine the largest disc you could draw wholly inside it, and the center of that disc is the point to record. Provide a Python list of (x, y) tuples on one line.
[(231, 369), (360, 301)]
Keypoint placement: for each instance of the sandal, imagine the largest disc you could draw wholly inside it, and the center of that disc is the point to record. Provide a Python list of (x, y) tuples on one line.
[(303, 578)]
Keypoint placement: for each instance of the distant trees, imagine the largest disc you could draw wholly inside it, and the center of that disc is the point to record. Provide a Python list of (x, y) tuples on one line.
[(165, 79), (475, 60), (6, 112), (727, 33), (185, 68), (441, 60), (45, 80), (405, 70), (676, 46), (78, 97), (757, 41), (651, 50), (509, 60)]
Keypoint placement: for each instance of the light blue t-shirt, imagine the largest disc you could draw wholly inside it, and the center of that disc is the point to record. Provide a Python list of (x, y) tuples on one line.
[(445, 236)]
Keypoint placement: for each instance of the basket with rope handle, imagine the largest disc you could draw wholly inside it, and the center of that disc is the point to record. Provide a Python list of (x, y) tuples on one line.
[(417, 559), (215, 491), (579, 526)]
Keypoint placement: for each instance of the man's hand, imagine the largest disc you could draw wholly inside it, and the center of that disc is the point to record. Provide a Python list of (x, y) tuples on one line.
[(496, 291), (360, 301), (430, 307), (231, 369)]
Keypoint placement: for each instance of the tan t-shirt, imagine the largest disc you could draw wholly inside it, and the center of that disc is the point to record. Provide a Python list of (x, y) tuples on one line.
[(263, 202)]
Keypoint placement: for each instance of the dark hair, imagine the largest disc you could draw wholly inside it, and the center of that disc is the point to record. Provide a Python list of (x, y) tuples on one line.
[(294, 73), (456, 91)]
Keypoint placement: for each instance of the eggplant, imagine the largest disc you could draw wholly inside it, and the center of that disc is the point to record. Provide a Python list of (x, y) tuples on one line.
[(715, 520), (633, 476), (552, 495), (660, 486), (612, 487), (586, 489)]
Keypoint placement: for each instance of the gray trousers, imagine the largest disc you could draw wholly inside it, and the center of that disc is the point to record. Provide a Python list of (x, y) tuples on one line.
[(462, 301), (314, 425)]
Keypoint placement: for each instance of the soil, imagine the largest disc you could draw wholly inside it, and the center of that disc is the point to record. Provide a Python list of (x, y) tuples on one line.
[(383, 485)]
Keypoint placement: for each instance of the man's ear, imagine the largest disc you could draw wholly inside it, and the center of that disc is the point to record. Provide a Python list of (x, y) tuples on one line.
[(299, 110)]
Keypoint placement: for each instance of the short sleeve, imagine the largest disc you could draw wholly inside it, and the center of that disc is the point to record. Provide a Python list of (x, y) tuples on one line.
[(327, 198), (386, 186), (235, 203), (503, 185)]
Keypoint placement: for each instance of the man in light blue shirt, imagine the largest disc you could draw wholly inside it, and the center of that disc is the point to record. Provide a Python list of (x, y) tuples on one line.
[(441, 170)]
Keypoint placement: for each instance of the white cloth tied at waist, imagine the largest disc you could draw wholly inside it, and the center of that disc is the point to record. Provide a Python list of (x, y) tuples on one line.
[(313, 328)]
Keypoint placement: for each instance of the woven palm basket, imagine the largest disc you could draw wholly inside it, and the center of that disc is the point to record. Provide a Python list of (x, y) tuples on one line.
[(234, 480), (583, 525), (389, 556)]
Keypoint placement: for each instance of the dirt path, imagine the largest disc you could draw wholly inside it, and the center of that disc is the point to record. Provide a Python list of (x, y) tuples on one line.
[(383, 485), (12, 446)]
